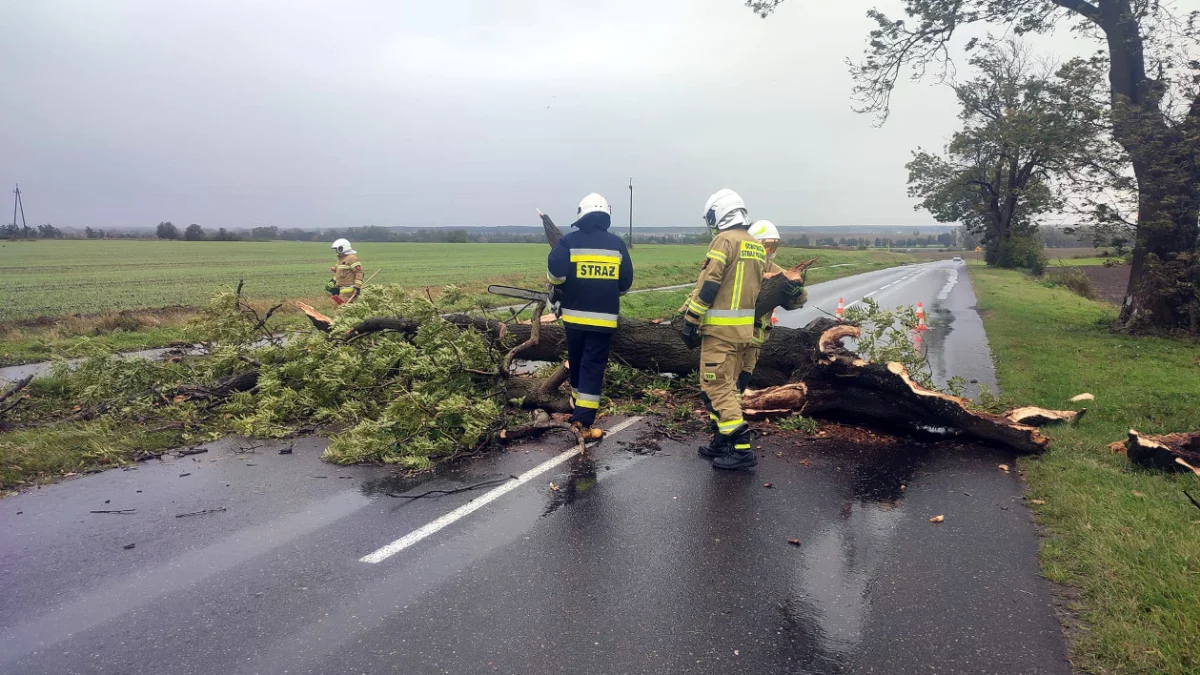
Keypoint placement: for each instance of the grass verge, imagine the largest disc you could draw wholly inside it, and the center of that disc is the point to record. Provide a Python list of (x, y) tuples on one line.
[(1126, 538)]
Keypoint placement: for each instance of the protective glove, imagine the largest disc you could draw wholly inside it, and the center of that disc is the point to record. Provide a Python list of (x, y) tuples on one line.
[(690, 334), (332, 287), (556, 301)]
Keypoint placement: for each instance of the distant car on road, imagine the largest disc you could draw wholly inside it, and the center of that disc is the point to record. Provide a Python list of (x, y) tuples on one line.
[(957, 258)]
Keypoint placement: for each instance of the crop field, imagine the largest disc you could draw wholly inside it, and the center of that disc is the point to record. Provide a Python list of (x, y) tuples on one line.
[(51, 278)]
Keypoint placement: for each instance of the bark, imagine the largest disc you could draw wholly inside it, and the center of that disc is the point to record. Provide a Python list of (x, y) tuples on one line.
[(1172, 452)]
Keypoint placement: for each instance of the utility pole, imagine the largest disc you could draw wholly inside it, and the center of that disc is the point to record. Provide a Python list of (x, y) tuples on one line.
[(17, 203), (631, 212)]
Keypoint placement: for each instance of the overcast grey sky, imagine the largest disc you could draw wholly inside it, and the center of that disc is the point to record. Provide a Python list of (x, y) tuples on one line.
[(300, 113)]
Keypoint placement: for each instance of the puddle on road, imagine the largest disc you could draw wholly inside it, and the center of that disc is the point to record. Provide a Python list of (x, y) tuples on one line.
[(581, 477)]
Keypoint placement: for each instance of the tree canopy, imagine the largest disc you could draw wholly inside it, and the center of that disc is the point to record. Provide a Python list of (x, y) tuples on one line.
[(1149, 48)]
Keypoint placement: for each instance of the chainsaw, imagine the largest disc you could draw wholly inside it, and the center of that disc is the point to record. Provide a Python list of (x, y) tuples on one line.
[(524, 294)]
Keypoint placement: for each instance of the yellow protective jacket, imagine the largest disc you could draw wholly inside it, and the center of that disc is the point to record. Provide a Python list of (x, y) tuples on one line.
[(348, 272), (723, 302)]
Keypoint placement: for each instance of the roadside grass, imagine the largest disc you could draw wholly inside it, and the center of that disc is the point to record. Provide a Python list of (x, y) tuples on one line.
[(1126, 538), (38, 455)]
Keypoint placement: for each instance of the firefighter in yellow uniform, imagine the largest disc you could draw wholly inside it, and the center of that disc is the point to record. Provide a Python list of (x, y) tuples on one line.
[(719, 318), (347, 274), (765, 232)]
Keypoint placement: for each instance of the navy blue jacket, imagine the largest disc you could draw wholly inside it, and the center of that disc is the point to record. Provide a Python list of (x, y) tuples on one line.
[(591, 270)]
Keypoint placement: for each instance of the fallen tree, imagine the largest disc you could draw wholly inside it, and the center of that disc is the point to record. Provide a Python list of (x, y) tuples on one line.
[(804, 371), (395, 378)]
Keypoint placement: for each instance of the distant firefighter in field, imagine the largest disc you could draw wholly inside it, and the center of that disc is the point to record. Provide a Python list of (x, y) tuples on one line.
[(347, 279)]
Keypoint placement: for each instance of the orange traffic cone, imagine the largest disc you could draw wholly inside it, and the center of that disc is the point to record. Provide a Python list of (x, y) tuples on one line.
[(841, 308), (921, 317), (920, 309)]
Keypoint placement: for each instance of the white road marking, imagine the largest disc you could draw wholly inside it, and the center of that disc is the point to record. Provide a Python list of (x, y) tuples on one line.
[(481, 501), (898, 281)]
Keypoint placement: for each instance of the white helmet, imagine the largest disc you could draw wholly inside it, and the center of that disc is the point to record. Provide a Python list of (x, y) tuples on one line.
[(342, 247), (593, 203), (764, 230), (724, 209)]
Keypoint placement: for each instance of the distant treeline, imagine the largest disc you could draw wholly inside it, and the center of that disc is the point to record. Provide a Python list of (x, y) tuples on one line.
[(1052, 237)]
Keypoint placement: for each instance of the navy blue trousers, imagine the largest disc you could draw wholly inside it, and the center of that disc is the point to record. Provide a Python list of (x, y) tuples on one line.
[(587, 356)]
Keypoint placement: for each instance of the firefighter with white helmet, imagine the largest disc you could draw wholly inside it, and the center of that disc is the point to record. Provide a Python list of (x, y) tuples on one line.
[(719, 318), (765, 232), (589, 270), (347, 273)]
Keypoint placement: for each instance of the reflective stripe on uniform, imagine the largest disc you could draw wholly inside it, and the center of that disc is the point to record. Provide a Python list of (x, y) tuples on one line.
[(729, 317), (600, 255), (696, 307), (594, 318), (726, 427), (741, 446), (583, 400), (737, 285), (717, 255), (555, 280)]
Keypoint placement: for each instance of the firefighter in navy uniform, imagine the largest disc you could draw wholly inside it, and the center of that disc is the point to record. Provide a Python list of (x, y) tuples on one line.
[(590, 270), (719, 318)]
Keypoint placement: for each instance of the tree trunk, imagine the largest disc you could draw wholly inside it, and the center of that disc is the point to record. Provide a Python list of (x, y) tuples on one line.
[(1167, 175)]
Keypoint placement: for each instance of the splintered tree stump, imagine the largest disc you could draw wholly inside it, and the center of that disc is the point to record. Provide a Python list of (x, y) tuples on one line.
[(1164, 452), (770, 293)]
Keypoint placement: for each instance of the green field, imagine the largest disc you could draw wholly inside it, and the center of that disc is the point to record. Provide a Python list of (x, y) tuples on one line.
[(56, 278), (1125, 538)]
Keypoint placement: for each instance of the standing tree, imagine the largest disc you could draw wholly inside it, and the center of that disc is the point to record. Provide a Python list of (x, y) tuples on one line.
[(49, 231), (1021, 128), (193, 233), (166, 230), (1153, 112)]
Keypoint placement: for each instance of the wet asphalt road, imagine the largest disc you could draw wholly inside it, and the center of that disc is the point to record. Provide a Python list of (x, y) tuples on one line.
[(639, 563), (955, 342), (644, 560)]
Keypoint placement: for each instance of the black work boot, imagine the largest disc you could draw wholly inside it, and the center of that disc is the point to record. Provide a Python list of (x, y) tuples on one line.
[(740, 455), (719, 447)]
